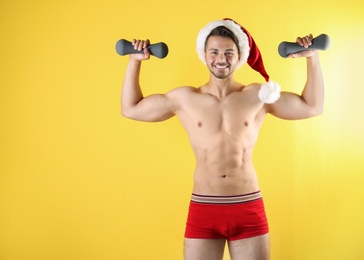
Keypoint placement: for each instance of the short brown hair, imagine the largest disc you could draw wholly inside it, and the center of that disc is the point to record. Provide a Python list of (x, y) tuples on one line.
[(224, 32)]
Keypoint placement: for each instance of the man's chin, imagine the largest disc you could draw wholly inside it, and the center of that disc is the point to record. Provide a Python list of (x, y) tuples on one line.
[(221, 74)]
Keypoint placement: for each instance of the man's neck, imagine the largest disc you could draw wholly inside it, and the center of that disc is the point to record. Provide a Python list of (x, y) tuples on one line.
[(220, 88)]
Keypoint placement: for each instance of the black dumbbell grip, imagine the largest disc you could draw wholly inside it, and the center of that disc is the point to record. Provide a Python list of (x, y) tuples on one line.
[(321, 42), (124, 47)]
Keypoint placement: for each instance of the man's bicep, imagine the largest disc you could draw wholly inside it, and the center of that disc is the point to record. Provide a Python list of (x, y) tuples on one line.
[(290, 106), (153, 108)]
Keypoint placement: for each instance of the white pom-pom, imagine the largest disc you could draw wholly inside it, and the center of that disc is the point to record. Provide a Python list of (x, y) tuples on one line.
[(269, 92)]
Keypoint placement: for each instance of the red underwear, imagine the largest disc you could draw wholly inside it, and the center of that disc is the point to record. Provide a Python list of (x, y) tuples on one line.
[(229, 217)]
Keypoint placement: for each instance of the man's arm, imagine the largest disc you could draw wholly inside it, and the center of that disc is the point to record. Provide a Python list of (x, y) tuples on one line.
[(310, 102), (153, 108)]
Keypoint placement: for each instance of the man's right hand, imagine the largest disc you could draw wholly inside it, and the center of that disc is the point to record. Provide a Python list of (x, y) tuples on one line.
[(140, 45)]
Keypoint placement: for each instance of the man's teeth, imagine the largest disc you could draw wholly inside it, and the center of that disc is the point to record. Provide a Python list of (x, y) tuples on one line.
[(221, 66)]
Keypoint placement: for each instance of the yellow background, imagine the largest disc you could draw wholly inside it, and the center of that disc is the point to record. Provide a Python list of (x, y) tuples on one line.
[(78, 181)]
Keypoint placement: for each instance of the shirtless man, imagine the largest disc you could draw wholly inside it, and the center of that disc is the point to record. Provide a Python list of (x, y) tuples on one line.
[(222, 119)]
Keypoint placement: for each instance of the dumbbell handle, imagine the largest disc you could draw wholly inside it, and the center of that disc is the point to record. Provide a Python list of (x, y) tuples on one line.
[(124, 47), (321, 42)]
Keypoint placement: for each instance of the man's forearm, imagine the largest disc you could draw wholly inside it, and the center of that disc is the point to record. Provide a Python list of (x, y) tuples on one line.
[(131, 91), (313, 92)]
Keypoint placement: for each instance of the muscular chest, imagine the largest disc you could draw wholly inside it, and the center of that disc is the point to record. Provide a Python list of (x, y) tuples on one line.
[(230, 115)]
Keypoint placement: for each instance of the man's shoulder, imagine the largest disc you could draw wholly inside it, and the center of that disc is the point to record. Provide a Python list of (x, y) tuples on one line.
[(252, 86), (183, 90)]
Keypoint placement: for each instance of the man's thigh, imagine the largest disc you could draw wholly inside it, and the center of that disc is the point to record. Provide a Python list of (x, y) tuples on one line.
[(254, 248), (203, 249)]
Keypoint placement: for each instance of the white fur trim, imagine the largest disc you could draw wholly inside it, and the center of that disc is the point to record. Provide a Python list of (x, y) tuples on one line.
[(235, 28), (269, 92)]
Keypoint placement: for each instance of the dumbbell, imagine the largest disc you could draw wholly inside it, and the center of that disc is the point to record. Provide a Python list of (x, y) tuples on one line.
[(321, 42), (124, 47)]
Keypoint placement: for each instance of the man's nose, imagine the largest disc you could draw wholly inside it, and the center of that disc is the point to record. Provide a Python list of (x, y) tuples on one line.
[(222, 57)]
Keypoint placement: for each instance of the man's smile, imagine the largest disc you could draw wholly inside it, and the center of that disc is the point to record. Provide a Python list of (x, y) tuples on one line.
[(221, 66)]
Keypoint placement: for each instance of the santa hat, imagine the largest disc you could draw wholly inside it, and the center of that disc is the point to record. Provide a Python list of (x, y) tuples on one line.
[(249, 52)]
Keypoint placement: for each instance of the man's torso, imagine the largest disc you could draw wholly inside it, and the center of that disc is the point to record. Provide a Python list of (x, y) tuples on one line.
[(222, 132)]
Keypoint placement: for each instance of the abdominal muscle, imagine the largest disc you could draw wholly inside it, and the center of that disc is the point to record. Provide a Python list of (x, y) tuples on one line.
[(224, 169)]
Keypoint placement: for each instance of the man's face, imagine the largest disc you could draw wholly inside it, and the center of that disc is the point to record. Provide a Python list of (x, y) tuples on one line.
[(221, 56)]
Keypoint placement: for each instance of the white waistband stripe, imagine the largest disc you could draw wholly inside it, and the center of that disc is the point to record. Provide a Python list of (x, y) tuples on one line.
[(226, 199)]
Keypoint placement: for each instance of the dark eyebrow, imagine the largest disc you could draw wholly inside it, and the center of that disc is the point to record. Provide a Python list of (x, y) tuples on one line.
[(214, 49)]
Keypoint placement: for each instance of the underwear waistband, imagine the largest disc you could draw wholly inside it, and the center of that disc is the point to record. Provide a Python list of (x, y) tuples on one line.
[(206, 199)]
